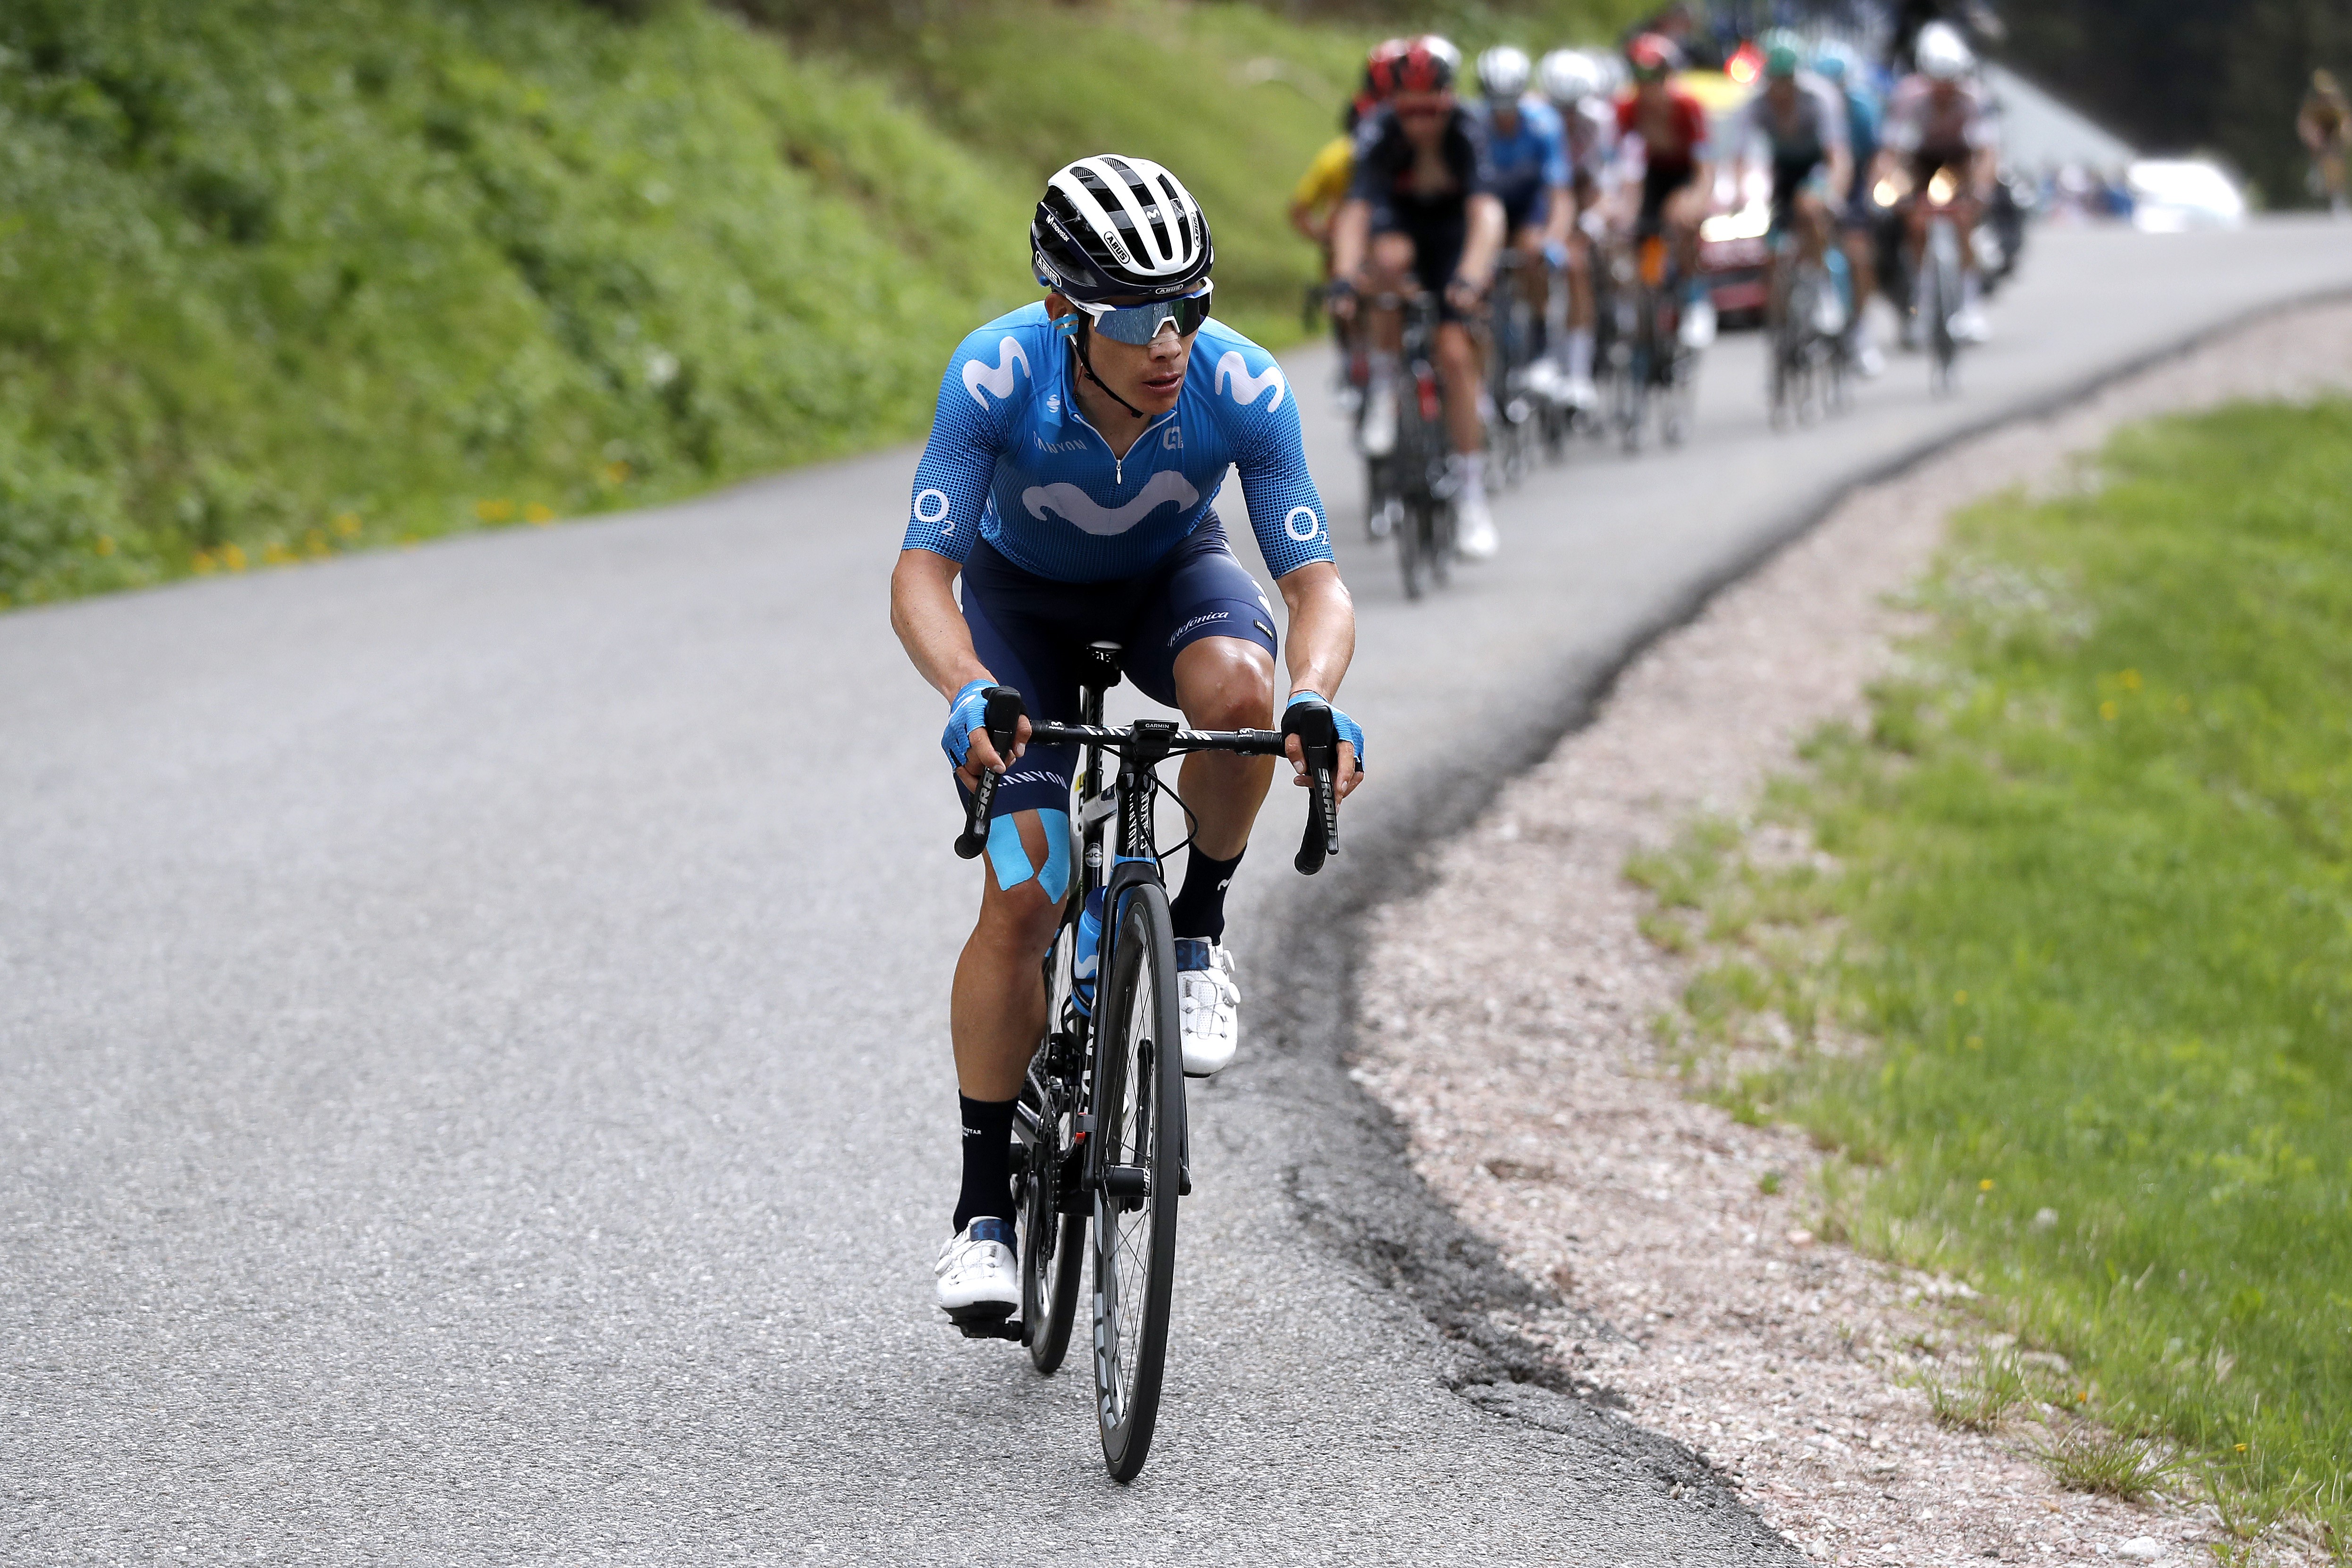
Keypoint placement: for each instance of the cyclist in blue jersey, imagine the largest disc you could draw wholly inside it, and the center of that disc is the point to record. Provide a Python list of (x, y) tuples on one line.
[(1071, 481), (1858, 220), (1526, 148)]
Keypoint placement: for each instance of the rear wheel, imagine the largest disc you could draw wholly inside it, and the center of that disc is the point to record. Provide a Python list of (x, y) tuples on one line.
[(1138, 1104), (1053, 1243)]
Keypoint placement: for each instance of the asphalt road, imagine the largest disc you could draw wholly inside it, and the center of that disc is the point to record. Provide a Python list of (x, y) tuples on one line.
[(472, 1059)]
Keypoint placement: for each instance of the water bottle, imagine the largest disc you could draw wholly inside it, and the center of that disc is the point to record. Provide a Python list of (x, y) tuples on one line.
[(1087, 958)]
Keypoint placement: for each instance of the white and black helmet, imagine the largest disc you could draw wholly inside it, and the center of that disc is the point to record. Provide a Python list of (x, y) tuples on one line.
[(1110, 227), (1503, 72)]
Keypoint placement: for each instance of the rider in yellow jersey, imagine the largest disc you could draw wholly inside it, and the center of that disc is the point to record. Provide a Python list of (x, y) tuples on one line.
[(1316, 200)]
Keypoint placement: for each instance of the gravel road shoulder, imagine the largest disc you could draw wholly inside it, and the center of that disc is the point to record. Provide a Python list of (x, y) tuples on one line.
[(1505, 1022)]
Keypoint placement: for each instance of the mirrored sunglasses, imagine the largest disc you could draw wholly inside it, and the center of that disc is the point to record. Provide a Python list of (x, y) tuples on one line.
[(1139, 324)]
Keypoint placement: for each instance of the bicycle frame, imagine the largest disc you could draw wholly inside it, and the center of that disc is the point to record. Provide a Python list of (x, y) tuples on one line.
[(1133, 858)]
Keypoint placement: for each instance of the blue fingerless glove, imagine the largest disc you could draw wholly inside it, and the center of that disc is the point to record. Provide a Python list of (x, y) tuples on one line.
[(967, 713), (1556, 254), (1349, 731)]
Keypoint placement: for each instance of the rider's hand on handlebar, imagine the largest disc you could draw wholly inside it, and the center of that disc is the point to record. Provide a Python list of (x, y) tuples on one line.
[(1341, 296), (984, 754), (1463, 293), (966, 741), (1350, 771)]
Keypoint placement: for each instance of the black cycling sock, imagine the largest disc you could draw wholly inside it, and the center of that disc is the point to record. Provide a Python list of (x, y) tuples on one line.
[(1199, 910), (987, 1160)]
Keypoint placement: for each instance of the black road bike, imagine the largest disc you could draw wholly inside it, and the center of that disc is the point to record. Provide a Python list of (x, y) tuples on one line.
[(1409, 482), (1100, 1123), (1511, 331), (1654, 372), (1805, 366)]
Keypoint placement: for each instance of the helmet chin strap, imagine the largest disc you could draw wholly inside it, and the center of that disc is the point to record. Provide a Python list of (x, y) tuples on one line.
[(1079, 346)]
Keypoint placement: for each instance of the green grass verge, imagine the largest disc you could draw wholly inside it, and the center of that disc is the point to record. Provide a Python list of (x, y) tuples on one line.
[(280, 279), (2092, 909)]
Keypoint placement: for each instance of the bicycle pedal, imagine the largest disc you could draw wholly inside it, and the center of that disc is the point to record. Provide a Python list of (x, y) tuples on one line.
[(988, 1320), (1010, 1329)]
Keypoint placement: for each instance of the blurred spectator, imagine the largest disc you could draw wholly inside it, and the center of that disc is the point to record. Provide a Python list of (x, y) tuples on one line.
[(2326, 127)]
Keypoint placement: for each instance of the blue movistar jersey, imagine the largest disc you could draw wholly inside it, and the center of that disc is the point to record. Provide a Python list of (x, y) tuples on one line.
[(1012, 461), (1533, 158)]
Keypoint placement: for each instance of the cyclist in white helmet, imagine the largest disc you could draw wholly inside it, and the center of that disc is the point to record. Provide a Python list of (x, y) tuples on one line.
[(1024, 492), (1527, 149), (1577, 87), (1940, 118)]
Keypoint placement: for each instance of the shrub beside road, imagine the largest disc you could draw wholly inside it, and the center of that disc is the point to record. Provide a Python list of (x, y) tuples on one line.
[(2092, 903)]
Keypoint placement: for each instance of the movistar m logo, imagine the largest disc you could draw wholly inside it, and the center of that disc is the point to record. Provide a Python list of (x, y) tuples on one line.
[(977, 373), (1245, 386), (1081, 510)]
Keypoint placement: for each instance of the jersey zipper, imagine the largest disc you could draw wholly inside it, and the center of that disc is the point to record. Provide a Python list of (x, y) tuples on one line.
[(1118, 464)]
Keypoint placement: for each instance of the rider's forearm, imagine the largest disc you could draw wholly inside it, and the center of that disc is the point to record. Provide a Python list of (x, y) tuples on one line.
[(930, 627), (1841, 177), (1485, 242), (1322, 638), (1563, 204), (1349, 231)]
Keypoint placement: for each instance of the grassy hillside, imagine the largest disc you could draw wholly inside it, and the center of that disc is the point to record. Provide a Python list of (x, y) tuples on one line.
[(284, 279)]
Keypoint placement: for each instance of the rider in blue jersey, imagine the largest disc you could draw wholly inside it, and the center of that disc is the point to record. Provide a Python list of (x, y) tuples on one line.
[(1527, 147), (1071, 480)]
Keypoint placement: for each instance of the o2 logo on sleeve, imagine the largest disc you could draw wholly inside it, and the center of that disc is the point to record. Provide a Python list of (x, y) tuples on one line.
[(931, 508), (1302, 524)]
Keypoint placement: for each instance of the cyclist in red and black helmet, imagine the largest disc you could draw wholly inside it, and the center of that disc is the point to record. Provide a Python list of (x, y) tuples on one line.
[(1676, 178), (1422, 215)]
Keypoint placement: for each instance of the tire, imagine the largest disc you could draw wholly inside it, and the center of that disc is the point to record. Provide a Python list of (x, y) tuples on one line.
[(1412, 537), (1138, 1105), (1942, 292)]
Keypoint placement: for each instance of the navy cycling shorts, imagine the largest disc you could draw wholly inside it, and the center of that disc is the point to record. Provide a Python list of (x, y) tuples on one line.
[(1032, 632), (1529, 206)]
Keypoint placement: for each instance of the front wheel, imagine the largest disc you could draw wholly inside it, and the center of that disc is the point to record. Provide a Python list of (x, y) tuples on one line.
[(1138, 1105)]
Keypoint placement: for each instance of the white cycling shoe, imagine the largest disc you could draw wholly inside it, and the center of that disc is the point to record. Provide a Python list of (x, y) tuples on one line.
[(979, 1280), (1478, 539), (1376, 433), (1209, 1003), (1698, 324)]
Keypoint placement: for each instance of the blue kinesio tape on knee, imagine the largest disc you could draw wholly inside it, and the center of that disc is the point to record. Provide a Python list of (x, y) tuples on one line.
[(1007, 853), (1010, 856), (1056, 878)]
